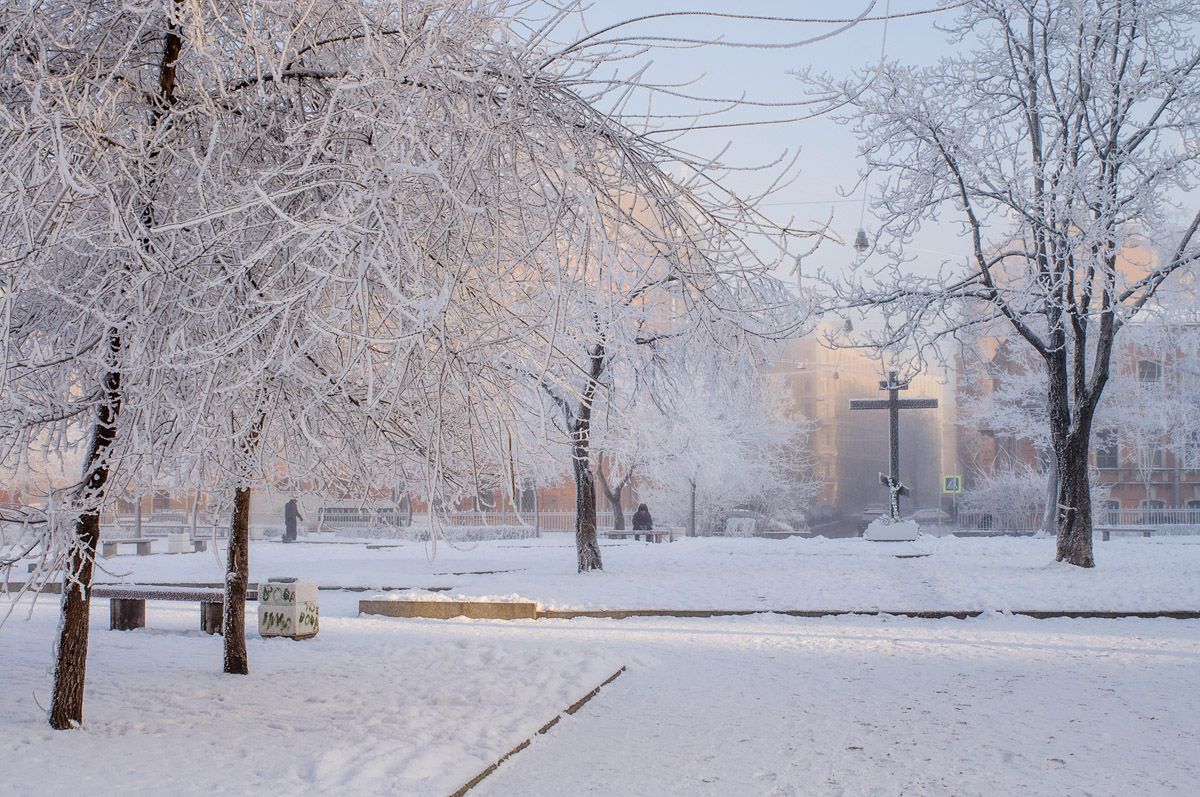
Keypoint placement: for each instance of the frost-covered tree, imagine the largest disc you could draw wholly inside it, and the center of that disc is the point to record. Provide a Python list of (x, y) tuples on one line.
[(331, 234), (1060, 133), (725, 441)]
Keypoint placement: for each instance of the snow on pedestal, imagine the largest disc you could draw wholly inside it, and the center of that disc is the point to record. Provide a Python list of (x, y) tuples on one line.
[(179, 542), (887, 530), (288, 607)]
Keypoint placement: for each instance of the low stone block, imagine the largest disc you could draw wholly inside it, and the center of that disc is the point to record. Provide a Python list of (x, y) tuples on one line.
[(288, 608), (444, 610)]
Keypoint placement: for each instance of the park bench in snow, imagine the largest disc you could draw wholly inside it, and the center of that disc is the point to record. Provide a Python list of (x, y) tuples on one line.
[(1106, 531), (109, 547), (654, 535), (127, 604)]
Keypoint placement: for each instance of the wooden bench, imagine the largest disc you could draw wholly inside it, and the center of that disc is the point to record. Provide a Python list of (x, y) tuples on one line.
[(109, 547), (127, 605), (1106, 531), (654, 535)]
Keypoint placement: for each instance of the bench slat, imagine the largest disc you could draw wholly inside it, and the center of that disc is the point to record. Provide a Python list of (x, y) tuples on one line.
[(166, 594)]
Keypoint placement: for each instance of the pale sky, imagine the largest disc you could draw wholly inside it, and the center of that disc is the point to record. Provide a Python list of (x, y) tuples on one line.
[(829, 159)]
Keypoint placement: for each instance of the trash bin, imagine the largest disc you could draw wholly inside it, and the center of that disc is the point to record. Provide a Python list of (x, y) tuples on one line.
[(287, 607)]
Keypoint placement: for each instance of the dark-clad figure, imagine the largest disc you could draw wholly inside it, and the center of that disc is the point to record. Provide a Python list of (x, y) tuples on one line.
[(291, 515), (642, 521)]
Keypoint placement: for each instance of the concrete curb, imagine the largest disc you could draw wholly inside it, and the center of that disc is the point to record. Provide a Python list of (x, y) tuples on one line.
[(527, 610), (930, 614), (570, 710), (444, 610)]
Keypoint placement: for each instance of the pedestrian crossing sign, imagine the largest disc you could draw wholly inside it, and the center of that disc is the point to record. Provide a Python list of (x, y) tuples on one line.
[(951, 484)]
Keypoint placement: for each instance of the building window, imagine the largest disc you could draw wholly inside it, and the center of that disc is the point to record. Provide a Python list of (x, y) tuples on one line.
[(1150, 456), (161, 501), (1191, 451), (1108, 451), (1149, 371)]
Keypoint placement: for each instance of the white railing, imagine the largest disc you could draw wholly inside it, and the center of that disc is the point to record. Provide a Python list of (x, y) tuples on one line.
[(545, 521), (1000, 522), (542, 521), (1147, 516), (1181, 520)]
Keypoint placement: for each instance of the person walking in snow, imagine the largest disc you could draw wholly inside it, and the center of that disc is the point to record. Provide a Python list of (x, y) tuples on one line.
[(291, 514), (642, 521)]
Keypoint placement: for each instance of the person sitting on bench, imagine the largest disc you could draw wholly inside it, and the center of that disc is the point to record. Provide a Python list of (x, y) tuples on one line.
[(642, 521)]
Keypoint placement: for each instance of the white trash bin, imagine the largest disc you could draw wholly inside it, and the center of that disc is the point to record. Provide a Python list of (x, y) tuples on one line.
[(287, 607)]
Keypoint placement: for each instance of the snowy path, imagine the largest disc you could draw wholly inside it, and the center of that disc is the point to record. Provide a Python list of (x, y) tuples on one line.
[(777, 706)]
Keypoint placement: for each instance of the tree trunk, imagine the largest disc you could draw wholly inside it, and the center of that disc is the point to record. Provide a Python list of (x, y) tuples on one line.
[(617, 513), (70, 667), (66, 706), (586, 544), (1050, 513), (587, 547), (1074, 544), (613, 493), (237, 576)]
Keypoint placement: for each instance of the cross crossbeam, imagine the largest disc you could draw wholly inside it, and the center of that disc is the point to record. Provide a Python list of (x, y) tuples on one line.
[(893, 404)]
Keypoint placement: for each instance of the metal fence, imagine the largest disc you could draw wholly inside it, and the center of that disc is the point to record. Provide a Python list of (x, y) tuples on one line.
[(543, 521), (1180, 520), (1149, 516), (1000, 522)]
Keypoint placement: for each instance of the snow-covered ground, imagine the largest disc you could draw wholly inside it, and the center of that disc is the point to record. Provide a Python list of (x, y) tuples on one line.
[(872, 706), (366, 707), (758, 705), (715, 573)]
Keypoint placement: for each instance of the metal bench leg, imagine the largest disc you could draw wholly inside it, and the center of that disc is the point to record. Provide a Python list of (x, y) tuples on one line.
[(211, 616), (126, 614)]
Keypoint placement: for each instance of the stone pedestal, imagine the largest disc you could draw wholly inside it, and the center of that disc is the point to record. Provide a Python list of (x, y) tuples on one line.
[(179, 542), (288, 608), (888, 530)]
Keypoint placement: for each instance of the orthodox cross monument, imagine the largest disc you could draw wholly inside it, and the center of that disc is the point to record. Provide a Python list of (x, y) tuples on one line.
[(893, 404)]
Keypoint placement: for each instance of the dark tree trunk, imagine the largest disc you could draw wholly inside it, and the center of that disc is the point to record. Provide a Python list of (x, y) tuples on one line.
[(66, 706), (586, 544), (1074, 543), (613, 492), (1071, 409), (237, 576), (70, 667), (618, 514)]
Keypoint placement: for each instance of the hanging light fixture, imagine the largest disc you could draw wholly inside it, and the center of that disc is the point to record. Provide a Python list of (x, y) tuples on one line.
[(861, 243)]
